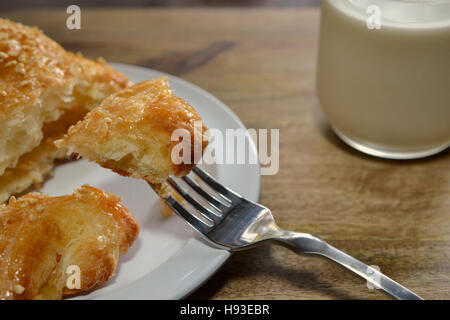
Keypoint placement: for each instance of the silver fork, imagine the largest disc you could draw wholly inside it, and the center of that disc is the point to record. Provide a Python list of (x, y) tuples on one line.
[(233, 222)]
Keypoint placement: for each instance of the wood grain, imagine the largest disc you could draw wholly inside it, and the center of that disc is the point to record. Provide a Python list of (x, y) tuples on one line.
[(261, 63), (30, 4)]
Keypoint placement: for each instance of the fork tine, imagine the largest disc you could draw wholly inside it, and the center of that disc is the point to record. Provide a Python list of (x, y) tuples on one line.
[(211, 200), (192, 220), (216, 186), (209, 215)]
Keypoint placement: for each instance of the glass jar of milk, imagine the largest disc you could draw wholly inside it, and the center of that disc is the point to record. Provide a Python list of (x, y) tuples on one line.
[(383, 77)]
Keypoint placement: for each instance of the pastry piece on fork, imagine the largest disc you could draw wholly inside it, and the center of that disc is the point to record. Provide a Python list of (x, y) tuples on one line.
[(131, 133), (44, 239)]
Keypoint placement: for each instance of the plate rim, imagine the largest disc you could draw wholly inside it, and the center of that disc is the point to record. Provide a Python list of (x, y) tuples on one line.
[(196, 276)]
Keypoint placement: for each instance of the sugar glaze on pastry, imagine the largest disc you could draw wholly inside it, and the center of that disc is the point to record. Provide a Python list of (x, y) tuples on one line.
[(41, 236)]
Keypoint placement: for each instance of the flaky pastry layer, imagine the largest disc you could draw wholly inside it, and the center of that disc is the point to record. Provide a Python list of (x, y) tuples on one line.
[(34, 166), (42, 236), (39, 80)]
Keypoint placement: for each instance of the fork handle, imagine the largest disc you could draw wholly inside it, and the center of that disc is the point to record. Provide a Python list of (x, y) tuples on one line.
[(306, 243)]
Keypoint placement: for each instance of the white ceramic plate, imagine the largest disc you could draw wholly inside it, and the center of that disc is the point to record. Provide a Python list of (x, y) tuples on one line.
[(167, 261)]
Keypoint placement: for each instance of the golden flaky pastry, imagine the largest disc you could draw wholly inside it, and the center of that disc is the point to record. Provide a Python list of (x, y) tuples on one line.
[(39, 81), (42, 236), (130, 132), (35, 165)]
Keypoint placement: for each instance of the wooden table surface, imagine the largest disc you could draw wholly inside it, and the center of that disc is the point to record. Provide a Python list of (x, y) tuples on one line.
[(261, 63)]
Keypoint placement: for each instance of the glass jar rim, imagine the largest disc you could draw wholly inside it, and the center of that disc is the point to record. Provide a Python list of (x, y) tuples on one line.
[(400, 13)]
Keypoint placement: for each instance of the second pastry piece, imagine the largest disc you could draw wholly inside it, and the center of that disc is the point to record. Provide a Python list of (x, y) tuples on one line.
[(130, 132)]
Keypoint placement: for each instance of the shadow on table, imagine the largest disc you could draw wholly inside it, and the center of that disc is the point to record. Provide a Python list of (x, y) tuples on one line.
[(260, 262)]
